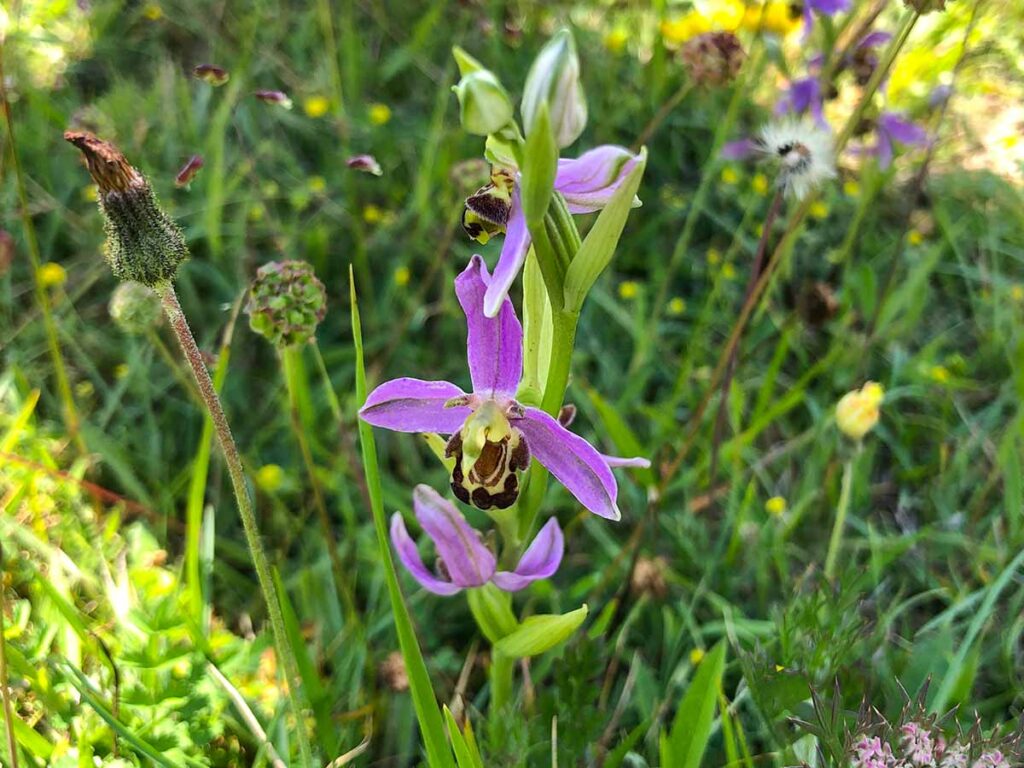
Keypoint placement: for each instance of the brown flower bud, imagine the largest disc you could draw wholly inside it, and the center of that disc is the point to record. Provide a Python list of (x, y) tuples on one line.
[(393, 673), (649, 577), (714, 58), (143, 243)]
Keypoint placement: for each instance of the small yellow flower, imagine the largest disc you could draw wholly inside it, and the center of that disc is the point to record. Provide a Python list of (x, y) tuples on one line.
[(759, 183), (857, 412), (680, 29), (759, 230), (729, 175), (616, 39), (676, 306), (316, 106), (255, 212), (728, 271), (90, 193), (402, 276), (84, 389), (52, 275), (774, 16), (121, 370), (696, 656), (372, 214), (851, 188), (379, 114), (317, 185), (776, 506), (714, 256), (914, 237), (153, 12), (939, 373), (818, 209), (1017, 292), (628, 290), (270, 478)]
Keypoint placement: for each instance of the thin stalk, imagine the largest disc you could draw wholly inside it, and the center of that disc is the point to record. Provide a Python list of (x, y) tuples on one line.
[(70, 412), (836, 539), (190, 350), (730, 368), (289, 363), (662, 114), (248, 716), (5, 689)]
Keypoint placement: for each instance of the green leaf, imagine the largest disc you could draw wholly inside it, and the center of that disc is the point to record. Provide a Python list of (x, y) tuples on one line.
[(538, 634), (492, 609), (467, 754), (684, 745), (537, 326), (539, 166), (428, 715), (599, 246)]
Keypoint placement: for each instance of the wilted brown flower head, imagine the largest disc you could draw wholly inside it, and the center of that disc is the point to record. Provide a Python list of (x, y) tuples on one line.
[(392, 672), (713, 58), (649, 577), (143, 244)]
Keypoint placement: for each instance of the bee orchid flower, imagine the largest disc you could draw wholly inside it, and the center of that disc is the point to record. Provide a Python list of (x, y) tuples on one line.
[(587, 183), (464, 561), (492, 435)]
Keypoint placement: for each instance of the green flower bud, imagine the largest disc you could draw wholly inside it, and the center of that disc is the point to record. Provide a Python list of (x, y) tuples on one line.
[(484, 106), (286, 303), (134, 308), (554, 78), (143, 244)]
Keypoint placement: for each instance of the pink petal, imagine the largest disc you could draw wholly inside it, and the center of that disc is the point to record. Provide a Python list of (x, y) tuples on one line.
[(410, 557), (469, 562), (414, 405), (539, 561), (510, 262), (494, 345), (589, 181)]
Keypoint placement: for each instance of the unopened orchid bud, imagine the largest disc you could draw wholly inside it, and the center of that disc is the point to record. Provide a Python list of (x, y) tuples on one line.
[(857, 412), (554, 79), (286, 303), (277, 98), (713, 59), (143, 244), (135, 309), (365, 163), (188, 171), (212, 74), (484, 105)]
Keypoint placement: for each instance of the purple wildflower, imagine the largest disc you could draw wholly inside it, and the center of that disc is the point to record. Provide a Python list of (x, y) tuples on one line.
[(802, 96), (587, 183), (992, 759), (492, 435), (464, 559), (918, 746), (872, 752), (822, 8), (890, 129)]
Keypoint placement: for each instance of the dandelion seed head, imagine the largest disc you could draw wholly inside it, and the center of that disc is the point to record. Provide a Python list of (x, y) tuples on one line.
[(804, 151)]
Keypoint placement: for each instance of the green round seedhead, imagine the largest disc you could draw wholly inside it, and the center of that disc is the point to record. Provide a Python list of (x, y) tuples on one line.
[(143, 244), (286, 303), (135, 308)]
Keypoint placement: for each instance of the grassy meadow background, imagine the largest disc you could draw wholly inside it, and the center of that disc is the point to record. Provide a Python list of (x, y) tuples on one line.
[(132, 623)]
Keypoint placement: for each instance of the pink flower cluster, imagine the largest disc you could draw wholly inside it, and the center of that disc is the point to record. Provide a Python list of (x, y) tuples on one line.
[(917, 746)]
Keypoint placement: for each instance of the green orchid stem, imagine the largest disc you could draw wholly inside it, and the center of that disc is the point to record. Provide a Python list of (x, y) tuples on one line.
[(836, 540), (290, 362), (502, 669), (190, 350)]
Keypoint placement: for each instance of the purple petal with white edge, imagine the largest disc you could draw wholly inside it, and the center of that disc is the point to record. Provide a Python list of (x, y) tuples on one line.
[(739, 150), (410, 557), (588, 182), (902, 130), (635, 462), (539, 561), (513, 255), (573, 461), (469, 562), (414, 405), (494, 345), (874, 39)]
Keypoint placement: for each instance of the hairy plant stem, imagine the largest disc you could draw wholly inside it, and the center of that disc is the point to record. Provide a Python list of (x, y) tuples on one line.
[(842, 509), (70, 412), (290, 366), (5, 688), (190, 350)]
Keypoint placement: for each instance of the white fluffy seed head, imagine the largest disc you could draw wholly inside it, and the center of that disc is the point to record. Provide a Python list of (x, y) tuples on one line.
[(804, 151)]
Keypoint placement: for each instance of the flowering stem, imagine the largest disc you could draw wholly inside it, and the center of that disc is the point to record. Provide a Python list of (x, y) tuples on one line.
[(5, 689), (502, 668), (194, 358), (835, 541)]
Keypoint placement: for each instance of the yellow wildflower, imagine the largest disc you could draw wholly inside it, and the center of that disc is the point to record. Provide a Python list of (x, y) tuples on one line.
[(714, 256), (153, 12), (1017, 292), (90, 194), (680, 29), (729, 175), (628, 290), (818, 209), (857, 412), (52, 275), (616, 39), (696, 656), (759, 183), (774, 16), (851, 188), (939, 373), (728, 271), (270, 478), (676, 306), (776, 506), (315, 106), (317, 184), (120, 370), (372, 214), (402, 276), (379, 114), (914, 237)]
